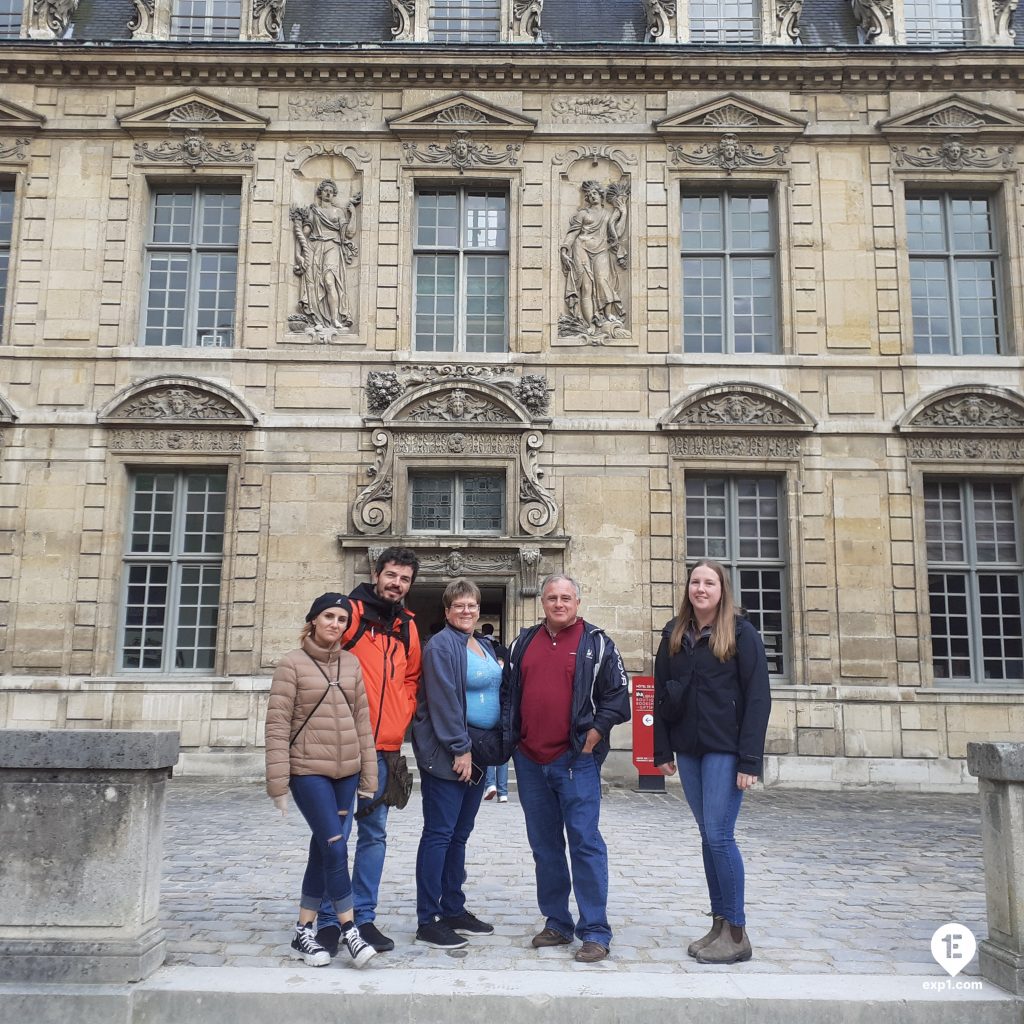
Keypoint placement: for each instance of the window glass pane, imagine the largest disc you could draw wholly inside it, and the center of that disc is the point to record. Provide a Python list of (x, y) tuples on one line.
[(944, 526), (145, 616), (703, 305), (172, 218), (483, 502), (437, 219), (464, 21), (939, 22), (206, 19), (6, 231), (976, 296), (702, 223), (432, 500), (220, 213), (723, 21), (931, 304), (435, 300), (925, 225), (947, 593), (486, 303), (486, 215), (198, 600), (10, 18)]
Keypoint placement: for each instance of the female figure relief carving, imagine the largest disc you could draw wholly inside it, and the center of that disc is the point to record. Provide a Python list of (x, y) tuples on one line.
[(324, 246), (593, 248)]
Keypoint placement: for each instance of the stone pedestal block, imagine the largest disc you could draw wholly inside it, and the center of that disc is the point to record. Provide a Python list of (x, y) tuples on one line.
[(81, 818), (999, 768)]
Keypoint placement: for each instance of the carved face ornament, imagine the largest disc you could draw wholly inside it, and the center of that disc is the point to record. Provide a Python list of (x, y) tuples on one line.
[(457, 404)]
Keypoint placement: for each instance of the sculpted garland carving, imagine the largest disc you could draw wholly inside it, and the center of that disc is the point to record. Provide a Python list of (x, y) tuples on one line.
[(970, 411), (403, 20), (324, 235), (953, 155), (458, 406), (526, 19), (461, 563), (178, 440), (14, 150), (736, 410), (963, 449), (267, 17), (591, 254), (194, 151), (595, 154), (345, 106), (386, 386), (595, 108), (729, 154), (442, 443), (751, 446), (350, 153), (141, 21), (178, 403), (538, 512), (462, 153)]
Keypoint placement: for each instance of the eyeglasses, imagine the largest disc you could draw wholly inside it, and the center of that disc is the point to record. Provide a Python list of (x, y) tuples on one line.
[(464, 608)]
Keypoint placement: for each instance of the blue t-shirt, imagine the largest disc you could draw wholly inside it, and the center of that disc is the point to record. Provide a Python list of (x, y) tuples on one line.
[(483, 684)]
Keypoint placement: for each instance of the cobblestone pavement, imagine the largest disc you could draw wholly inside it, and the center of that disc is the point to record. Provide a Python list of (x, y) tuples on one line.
[(847, 883)]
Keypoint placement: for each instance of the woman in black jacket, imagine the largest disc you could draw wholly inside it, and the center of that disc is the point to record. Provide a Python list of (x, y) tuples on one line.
[(711, 707)]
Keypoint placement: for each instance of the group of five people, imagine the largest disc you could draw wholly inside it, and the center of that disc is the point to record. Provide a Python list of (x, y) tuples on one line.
[(340, 706)]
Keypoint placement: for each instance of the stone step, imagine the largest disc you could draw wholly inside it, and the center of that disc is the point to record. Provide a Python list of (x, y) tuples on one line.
[(580, 995)]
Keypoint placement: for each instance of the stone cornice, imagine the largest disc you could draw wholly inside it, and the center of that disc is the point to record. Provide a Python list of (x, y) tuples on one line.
[(818, 69)]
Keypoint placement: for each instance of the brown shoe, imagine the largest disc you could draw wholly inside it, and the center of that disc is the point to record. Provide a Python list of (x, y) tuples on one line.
[(591, 952), (549, 937), (697, 945), (725, 949)]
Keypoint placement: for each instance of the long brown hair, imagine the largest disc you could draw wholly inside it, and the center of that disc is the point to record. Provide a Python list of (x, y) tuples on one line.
[(723, 632)]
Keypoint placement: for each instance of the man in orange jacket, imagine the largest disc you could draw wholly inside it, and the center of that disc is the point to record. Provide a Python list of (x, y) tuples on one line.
[(382, 635)]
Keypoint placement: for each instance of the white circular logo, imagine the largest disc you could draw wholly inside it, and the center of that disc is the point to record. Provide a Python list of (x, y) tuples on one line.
[(648, 720), (953, 946)]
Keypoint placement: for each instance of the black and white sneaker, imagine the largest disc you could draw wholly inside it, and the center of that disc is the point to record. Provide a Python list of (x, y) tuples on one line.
[(469, 924), (437, 934), (359, 949), (305, 945)]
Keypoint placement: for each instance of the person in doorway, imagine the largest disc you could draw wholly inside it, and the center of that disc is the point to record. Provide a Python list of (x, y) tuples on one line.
[(319, 745), (382, 635), (711, 705), (568, 688), (460, 689), (496, 779)]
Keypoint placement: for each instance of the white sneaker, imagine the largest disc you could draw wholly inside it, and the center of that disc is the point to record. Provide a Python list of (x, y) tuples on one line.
[(502, 799), (305, 945), (489, 792), (359, 949)]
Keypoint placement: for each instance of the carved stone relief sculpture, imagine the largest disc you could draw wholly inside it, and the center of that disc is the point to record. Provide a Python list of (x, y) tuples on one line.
[(591, 254), (324, 235), (141, 23), (592, 107), (383, 387), (875, 21), (662, 24), (13, 150), (526, 20), (787, 21), (729, 154), (953, 155), (195, 150), (403, 20), (1002, 15), (462, 153), (49, 19), (267, 17)]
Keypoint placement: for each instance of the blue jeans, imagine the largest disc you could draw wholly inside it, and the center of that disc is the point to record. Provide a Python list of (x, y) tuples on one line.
[(449, 811), (320, 800), (368, 865), (497, 776), (563, 800), (709, 783)]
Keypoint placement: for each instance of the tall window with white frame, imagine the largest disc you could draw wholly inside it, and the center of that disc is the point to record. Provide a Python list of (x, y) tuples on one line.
[(6, 235), (192, 268), (730, 272), (738, 521), (953, 245), (457, 503), (206, 19), (10, 18), (461, 270), (464, 21), (725, 21), (939, 23), (172, 571), (975, 575)]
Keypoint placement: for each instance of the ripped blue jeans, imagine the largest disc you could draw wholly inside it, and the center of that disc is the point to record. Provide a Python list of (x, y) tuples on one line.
[(320, 800)]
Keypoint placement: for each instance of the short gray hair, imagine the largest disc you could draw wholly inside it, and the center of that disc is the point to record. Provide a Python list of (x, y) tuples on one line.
[(557, 577)]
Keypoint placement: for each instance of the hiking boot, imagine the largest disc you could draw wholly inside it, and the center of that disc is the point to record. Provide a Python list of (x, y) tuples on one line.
[(437, 934), (329, 936), (549, 937), (705, 940), (725, 949), (591, 953), (375, 937), (359, 949), (305, 945), (469, 924)]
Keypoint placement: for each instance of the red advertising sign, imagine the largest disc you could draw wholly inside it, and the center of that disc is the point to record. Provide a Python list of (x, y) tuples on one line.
[(643, 725)]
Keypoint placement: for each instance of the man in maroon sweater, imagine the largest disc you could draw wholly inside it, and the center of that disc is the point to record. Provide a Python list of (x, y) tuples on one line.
[(567, 687)]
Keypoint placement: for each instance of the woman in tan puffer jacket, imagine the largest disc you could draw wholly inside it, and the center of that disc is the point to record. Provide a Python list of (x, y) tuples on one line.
[(320, 746)]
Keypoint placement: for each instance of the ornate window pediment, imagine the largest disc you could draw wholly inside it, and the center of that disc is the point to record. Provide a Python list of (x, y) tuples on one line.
[(730, 114), (461, 425), (177, 414), (464, 113), (956, 114), (974, 408), (194, 109)]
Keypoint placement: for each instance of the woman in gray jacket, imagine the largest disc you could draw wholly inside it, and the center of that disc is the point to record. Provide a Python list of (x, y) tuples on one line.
[(320, 747), (459, 688)]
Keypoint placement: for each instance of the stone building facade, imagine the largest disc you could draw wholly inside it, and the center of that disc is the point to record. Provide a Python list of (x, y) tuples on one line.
[(529, 286)]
